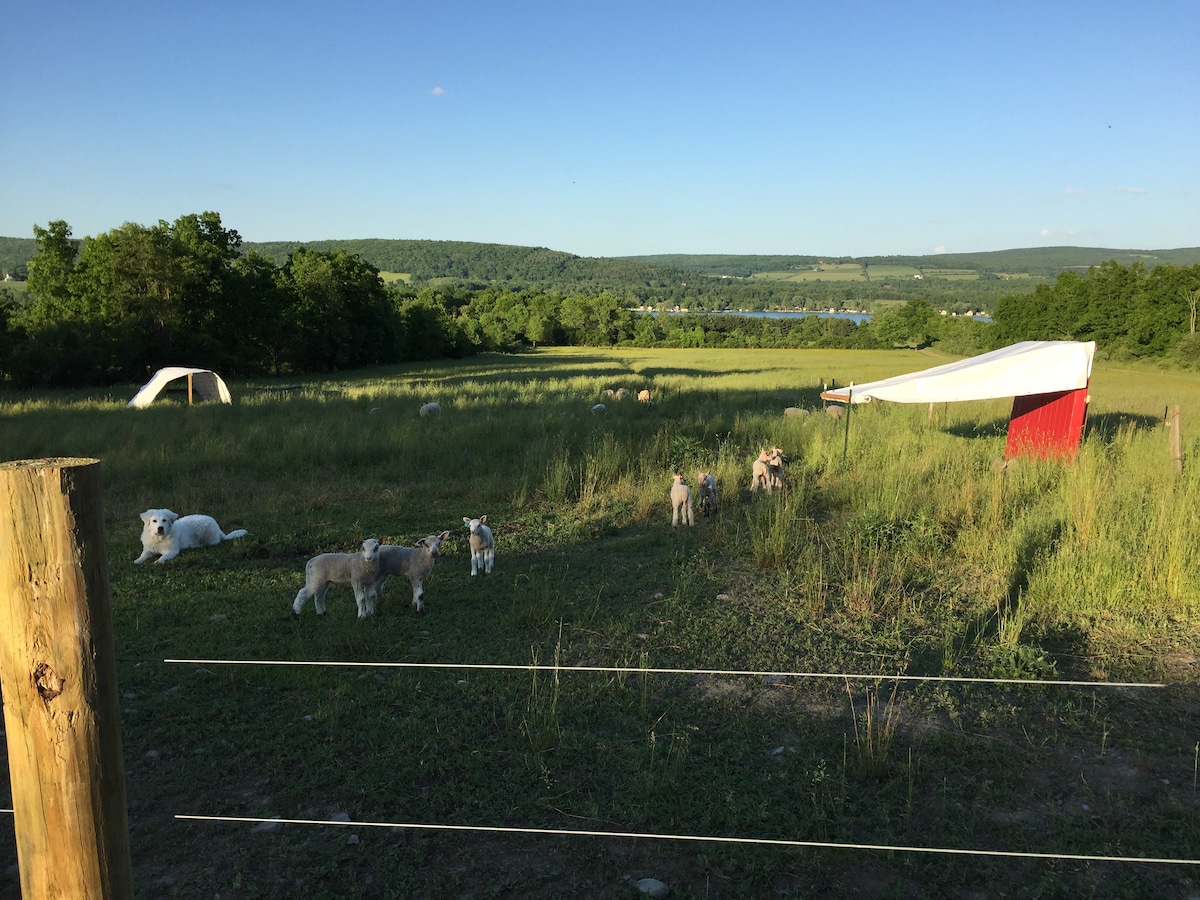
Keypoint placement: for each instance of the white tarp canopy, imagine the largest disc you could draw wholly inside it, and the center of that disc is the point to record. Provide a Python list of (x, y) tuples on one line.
[(206, 384), (1030, 367)]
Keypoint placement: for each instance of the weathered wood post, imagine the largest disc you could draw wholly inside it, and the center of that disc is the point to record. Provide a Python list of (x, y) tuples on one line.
[(1174, 429), (58, 678)]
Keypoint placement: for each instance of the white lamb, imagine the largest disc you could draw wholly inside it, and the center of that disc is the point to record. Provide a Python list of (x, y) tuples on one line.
[(359, 570), (415, 563), (681, 502), (706, 492), (760, 472), (483, 545), (430, 410), (644, 396)]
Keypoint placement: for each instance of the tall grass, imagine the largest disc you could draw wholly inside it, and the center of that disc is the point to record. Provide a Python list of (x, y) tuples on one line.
[(903, 520), (896, 547)]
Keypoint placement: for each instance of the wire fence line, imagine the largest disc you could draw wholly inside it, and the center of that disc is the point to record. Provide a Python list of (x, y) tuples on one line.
[(662, 836), (700, 838), (644, 670)]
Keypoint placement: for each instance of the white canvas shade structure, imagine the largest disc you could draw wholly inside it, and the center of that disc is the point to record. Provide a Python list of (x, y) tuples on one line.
[(205, 383), (1023, 369)]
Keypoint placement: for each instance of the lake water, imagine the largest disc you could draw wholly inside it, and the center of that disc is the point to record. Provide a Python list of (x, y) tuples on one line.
[(776, 314), (855, 317)]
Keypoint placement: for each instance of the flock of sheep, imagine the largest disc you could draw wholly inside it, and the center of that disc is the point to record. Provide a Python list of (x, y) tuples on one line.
[(370, 569), (766, 474), (623, 394), (367, 571)]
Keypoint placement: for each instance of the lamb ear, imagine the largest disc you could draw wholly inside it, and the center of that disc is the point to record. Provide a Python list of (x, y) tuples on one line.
[(482, 519), (444, 535), (466, 521)]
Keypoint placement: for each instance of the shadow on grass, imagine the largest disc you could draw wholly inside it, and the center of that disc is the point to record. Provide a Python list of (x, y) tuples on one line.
[(1102, 426)]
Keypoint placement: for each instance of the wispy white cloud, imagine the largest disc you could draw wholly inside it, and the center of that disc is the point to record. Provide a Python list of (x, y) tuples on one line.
[(1073, 192), (940, 248), (1045, 232), (1130, 190), (438, 92)]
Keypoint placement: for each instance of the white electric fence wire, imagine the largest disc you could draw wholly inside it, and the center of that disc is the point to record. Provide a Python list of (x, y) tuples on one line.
[(711, 839), (635, 670)]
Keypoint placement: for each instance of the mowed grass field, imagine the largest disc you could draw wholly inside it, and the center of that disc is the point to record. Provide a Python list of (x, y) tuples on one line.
[(854, 272), (895, 548)]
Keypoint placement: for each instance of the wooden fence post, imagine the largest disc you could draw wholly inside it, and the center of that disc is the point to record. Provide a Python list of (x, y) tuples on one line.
[(1174, 428), (58, 678)]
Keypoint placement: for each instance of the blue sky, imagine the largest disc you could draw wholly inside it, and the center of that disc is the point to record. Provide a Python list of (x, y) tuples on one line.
[(615, 128)]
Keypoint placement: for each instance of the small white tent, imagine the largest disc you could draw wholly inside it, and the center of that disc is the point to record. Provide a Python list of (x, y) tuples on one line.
[(206, 383), (1030, 367)]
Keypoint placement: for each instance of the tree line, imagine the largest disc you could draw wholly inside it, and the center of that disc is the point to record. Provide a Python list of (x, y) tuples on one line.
[(115, 307), (1131, 312)]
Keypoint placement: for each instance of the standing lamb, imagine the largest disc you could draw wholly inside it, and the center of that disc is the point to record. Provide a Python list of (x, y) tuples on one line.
[(359, 570), (681, 502), (775, 469), (413, 562), (430, 411), (706, 492), (483, 545), (760, 472)]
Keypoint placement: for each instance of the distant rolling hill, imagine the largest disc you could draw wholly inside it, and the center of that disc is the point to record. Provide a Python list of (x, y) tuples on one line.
[(1038, 261), (709, 281)]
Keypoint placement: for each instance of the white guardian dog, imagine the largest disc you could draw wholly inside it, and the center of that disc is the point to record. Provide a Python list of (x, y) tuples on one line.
[(165, 533)]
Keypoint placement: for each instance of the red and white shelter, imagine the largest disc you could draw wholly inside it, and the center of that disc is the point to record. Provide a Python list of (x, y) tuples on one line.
[(1047, 380)]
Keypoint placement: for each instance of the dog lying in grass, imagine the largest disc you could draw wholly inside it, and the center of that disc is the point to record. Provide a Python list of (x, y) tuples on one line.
[(165, 533)]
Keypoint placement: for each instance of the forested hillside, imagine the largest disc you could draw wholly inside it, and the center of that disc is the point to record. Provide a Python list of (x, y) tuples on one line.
[(115, 306), (709, 282)]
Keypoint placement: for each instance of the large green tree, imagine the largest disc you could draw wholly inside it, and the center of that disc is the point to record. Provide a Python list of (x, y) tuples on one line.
[(50, 273), (341, 316)]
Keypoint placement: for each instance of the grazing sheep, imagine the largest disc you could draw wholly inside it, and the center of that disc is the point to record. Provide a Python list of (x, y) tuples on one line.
[(413, 562), (681, 502), (795, 411), (430, 410), (483, 545), (359, 570), (610, 393), (834, 412), (775, 469), (622, 394), (599, 408), (760, 472), (706, 492), (644, 396)]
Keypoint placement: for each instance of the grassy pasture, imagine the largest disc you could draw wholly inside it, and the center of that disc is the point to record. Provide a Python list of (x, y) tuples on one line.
[(854, 272), (909, 553)]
